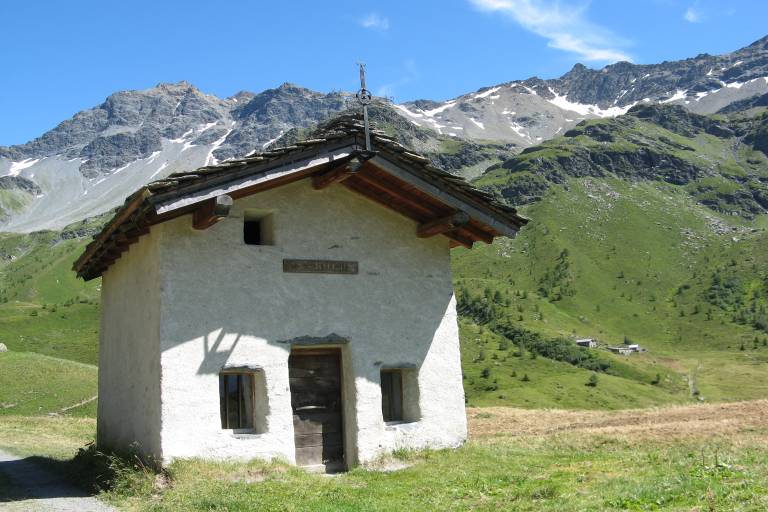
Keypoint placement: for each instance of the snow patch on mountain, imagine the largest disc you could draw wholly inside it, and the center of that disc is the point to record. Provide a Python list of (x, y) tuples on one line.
[(477, 123), (270, 141), (17, 167), (212, 160), (487, 93), (441, 108), (562, 102)]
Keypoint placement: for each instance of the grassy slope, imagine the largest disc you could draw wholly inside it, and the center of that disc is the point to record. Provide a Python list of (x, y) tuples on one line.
[(12, 201), (49, 322), (630, 249), (44, 308), (34, 384)]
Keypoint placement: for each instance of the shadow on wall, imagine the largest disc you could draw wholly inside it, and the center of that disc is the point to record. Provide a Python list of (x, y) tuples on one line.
[(404, 344)]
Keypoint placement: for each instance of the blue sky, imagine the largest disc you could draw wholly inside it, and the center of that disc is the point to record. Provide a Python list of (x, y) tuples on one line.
[(61, 57)]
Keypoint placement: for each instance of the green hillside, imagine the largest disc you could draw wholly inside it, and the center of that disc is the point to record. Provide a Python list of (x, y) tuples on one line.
[(721, 161), (668, 251), (44, 308), (619, 262), (647, 229)]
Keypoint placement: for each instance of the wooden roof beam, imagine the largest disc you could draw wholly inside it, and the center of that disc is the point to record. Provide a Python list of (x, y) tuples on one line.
[(458, 239), (425, 185), (212, 211), (337, 174), (386, 199), (380, 192), (442, 225), (478, 234), (399, 195)]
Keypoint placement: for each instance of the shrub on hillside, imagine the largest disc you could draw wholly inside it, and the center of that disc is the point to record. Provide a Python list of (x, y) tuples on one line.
[(559, 349)]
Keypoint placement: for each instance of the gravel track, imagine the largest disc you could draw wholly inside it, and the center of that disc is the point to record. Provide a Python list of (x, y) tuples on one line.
[(33, 488)]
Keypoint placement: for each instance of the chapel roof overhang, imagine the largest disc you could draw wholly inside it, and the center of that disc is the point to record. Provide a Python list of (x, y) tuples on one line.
[(389, 174)]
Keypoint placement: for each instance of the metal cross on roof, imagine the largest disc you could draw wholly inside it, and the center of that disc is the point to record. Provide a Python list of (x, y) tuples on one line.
[(365, 97)]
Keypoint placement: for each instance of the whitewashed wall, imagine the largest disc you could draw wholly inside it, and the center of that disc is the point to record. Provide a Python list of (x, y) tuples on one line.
[(223, 302), (129, 352)]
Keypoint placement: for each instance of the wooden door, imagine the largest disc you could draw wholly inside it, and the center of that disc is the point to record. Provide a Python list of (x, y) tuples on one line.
[(315, 379)]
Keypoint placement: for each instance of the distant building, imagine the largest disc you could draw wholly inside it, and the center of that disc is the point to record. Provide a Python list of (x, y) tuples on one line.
[(624, 351), (587, 342), (635, 348)]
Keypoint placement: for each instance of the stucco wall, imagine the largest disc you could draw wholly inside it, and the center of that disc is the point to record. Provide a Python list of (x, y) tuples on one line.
[(129, 351), (224, 302)]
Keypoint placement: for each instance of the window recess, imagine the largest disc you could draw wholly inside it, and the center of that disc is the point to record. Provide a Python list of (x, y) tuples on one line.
[(400, 395), (243, 401), (258, 227)]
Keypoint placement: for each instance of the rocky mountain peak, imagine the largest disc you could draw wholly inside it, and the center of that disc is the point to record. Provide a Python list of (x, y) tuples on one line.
[(242, 97), (760, 44), (181, 85)]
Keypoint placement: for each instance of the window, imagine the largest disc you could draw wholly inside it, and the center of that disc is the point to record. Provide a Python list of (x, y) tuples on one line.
[(236, 396), (258, 228), (392, 395), (252, 232), (400, 393)]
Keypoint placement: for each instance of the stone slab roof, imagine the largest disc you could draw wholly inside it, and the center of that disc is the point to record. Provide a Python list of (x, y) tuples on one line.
[(336, 141)]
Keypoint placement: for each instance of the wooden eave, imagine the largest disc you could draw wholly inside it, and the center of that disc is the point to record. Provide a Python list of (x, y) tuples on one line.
[(389, 175)]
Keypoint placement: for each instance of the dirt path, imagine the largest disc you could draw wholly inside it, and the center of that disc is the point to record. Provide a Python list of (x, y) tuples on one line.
[(32, 488), (78, 404)]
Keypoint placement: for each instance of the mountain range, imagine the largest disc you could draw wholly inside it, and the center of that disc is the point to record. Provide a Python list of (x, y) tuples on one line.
[(92, 161)]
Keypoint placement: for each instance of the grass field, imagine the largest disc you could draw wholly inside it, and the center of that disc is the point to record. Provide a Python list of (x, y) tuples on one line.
[(702, 457), (34, 384)]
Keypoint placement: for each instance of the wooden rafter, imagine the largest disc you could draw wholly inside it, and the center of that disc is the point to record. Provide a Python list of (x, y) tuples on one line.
[(398, 193), (413, 202), (375, 190), (211, 211), (442, 225), (385, 200), (478, 234), (336, 174)]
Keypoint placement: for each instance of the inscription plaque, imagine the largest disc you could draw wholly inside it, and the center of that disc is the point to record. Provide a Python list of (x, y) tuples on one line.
[(320, 266)]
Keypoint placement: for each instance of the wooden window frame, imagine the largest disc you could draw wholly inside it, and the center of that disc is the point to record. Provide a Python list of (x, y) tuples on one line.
[(392, 412), (224, 402)]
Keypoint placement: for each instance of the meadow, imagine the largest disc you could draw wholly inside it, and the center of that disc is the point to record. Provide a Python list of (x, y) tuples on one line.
[(695, 457)]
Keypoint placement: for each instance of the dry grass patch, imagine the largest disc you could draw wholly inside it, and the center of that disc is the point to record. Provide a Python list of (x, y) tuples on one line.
[(703, 421)]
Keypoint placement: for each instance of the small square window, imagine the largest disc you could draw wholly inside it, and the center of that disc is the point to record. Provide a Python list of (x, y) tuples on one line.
[(236, 396), (252, 232), (392, 395), (258, 228)]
